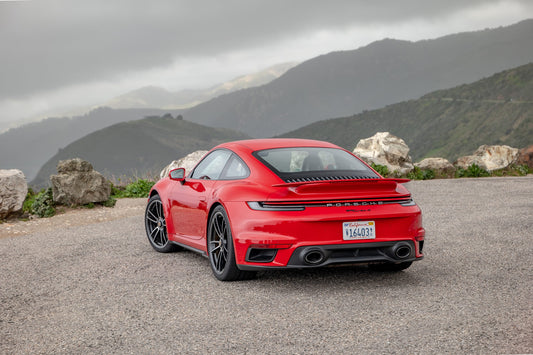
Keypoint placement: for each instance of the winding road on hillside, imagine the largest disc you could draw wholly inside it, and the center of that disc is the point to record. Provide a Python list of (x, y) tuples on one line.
[(91, 283)]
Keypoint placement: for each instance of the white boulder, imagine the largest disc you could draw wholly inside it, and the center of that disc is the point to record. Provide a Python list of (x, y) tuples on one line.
[(490, 157), (385, 149), (188, 162), (13, 191)]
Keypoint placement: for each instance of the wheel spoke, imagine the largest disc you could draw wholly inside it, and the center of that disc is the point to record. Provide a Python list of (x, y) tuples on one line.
[(218, 230), (219, 263), (160, 210), (152, 233), (153, 215), (163, 237)]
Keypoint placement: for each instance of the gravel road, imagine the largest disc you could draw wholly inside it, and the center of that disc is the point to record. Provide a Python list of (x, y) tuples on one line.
[(98, 287)]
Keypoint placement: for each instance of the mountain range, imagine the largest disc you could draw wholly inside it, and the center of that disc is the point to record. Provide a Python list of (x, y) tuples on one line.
[(384, 72), (338, 84), (446, 123)]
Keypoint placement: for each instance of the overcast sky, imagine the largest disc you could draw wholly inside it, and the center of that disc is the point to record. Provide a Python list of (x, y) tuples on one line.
[(56, 54)]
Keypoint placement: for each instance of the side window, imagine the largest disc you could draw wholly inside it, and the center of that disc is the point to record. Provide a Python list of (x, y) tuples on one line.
[(236, 169), (212, 165)]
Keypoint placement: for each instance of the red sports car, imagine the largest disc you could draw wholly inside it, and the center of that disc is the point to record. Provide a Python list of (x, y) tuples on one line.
[(284, 203)]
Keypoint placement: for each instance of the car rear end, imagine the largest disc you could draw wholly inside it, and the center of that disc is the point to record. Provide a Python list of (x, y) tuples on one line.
[(318, 224)]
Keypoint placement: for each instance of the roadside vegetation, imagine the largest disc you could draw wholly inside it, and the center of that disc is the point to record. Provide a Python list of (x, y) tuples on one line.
[(472, 171), (41, 203)]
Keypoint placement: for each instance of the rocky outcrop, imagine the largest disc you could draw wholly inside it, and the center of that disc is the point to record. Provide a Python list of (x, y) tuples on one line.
[(490, 157), (77, 183), (525, 156), (438, 165), (188, 162), (385, 149), (13, 191)]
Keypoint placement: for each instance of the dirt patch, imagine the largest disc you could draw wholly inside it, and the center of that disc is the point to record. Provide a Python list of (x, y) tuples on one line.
[(74, 217)]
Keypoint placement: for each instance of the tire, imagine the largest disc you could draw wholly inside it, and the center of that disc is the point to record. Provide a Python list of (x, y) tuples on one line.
[(156, 226), (390, 267), (220, 248)]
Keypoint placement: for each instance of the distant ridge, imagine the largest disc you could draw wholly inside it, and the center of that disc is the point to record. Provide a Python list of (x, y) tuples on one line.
[(446, 123), (153, 96), (382, 73), (28, 146), (138, 148)]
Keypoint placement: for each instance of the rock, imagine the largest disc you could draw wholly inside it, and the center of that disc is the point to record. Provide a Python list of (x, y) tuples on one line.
[(188, 162), (13, 191), (385, 149), (77, 183), (73, 165), (490, 157), (439, 165), (525, 156)]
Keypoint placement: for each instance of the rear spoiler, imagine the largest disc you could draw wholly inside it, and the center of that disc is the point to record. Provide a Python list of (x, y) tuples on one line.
[(299, 183)]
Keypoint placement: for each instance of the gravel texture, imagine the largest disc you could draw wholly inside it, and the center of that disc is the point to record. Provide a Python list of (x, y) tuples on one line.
[(98, 287)]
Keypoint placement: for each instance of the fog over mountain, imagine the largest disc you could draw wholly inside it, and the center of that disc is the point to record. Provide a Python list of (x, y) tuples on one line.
[(59, 55), (153, 96), (384, 72), (36, 142)]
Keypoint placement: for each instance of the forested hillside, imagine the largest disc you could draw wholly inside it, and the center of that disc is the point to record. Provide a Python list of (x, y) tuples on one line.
[(447, 123)]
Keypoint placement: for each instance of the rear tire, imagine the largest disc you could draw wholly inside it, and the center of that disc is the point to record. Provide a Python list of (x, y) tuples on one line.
[(220, 248)]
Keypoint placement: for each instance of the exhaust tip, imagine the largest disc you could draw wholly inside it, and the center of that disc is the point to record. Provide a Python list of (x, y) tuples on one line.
[(314, 257), (402, 251)]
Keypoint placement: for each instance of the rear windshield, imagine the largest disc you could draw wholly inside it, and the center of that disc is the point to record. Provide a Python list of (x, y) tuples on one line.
[(304, 163)]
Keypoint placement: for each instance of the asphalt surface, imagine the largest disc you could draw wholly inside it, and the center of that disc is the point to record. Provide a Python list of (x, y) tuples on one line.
[(101, 289)]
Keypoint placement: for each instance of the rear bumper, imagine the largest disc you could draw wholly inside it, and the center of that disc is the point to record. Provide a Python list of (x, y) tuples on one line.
[(276, 239), (356, 253)]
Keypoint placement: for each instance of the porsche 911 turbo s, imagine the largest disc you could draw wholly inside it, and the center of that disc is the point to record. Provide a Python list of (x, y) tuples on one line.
[(284, 203)]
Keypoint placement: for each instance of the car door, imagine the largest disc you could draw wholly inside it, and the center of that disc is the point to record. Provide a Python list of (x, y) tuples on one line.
[(189, 200)]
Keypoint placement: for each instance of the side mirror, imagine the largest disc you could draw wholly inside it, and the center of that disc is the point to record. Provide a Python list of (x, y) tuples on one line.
[(177, 175)]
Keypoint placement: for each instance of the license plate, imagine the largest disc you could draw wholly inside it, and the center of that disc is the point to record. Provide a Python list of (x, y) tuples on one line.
[(359, 230)]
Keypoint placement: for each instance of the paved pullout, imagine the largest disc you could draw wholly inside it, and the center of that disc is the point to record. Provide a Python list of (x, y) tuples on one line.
[(100, 288)]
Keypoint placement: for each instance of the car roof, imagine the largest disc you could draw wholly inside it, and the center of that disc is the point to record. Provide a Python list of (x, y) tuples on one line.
[(270, 143)]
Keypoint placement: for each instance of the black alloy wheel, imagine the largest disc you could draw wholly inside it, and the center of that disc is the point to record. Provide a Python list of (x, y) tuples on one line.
[(220, 248), (156, 226)]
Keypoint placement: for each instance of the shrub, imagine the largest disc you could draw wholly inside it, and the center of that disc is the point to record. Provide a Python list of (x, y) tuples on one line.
[(472, 171), (43, 205), (517, 170), (28, 202), (110, 202), (381, 169), (419, 174), (139, 188)]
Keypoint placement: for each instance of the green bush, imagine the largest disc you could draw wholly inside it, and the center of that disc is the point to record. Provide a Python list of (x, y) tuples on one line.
[(28, 202), (472, 171), (139, 188), (381, 169), (419, 174), (110, 202), (43, 205), (523, 170)]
